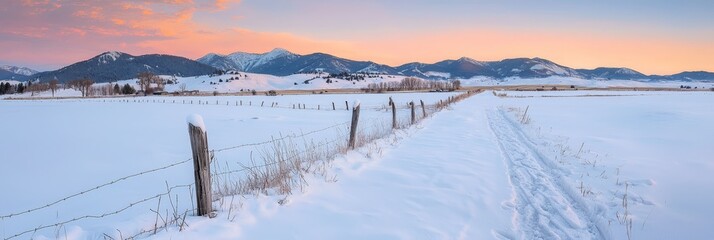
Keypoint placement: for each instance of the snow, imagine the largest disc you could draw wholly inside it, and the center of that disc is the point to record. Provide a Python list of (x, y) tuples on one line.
[(109, 57), (263, 82), (655, 142), (438, 74), (481, 169), (196, 120), (551, 68)]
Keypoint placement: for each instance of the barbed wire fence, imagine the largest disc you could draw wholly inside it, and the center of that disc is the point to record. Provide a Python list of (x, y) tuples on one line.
[(284, 166)]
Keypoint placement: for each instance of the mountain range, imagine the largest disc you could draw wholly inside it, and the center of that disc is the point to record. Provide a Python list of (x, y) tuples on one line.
[(113, 66), (281, 62)]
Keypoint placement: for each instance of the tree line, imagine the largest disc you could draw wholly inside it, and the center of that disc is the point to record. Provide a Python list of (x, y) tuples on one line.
[(412, 84)]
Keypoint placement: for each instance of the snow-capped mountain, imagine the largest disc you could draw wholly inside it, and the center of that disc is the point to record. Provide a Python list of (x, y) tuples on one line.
[(281, 62), (15, 73), (468, 68), (113, 66), (612, 73), (18, 70), (688, 76), (243, 61)]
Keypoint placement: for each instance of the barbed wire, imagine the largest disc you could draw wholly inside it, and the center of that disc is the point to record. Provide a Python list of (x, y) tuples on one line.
[(94, 189), (130, 205), (244, 168), (281, 138)]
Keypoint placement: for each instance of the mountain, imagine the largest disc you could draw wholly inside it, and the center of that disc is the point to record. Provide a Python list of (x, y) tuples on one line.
[(692, 76), (612, 73), (18, 70), (468, 68), (15, 73), (281, 62), (113, 66)]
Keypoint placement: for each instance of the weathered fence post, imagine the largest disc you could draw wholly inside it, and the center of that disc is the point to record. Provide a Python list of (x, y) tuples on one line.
[(353, 126), (423, 110), (318, 106), (394, 113), (303, 106), (411, 104), (241, 102), (347, 106), (293, 106), (201, 163), (261, 103), (333, 106)]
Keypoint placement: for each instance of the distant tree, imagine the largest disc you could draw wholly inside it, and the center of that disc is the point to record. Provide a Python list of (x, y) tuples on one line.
[(253, 92), (457, 84), (3, 88), (53, 86), (117, 89), (20, 88), (182, 87), (146, 79), (82, 85), (128, 89)]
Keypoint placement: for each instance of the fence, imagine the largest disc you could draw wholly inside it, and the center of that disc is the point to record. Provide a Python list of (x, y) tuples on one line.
[(284, 166)]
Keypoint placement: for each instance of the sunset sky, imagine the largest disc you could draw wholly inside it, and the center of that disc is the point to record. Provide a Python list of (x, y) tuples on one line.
[(651, 36)]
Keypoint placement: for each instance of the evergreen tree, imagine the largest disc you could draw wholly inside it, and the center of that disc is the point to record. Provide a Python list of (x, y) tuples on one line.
[(128, 89), (20, 88), (117, 90)]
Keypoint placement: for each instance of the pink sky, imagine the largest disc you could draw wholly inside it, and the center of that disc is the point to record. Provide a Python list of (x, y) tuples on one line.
[(48, 34)]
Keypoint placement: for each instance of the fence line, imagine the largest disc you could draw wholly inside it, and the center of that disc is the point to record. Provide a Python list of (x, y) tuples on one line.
[(433, 108), (41, 227)]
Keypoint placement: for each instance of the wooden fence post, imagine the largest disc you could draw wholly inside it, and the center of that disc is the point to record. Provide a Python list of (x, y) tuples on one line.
[(347, 106), (353, 126), (201, 164), (333, 106), (318, 106), (241, 102), (303, 106), (394, 113), (423, 110), (413, 115)]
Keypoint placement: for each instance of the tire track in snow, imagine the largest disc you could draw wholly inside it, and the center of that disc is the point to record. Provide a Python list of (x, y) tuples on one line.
[(545, 207)]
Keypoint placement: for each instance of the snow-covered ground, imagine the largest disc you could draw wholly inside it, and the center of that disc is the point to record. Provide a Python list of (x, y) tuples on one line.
[(244, 82), (549, 165)]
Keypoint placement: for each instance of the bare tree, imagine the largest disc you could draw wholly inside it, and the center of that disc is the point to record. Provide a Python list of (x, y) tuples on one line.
[(146, 79), (53, 86), (82, 85), (182, 87)]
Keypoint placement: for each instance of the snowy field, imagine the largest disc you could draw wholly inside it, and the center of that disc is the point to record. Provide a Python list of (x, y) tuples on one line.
[(530, 165), (63, 147)]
